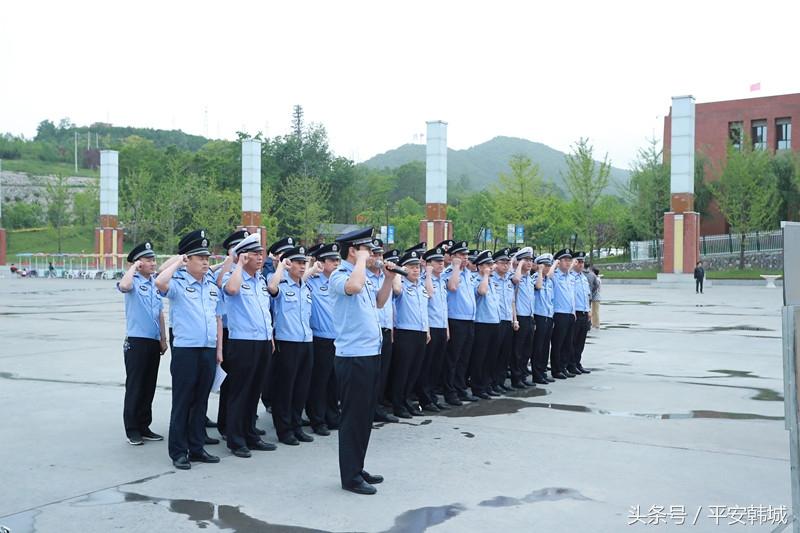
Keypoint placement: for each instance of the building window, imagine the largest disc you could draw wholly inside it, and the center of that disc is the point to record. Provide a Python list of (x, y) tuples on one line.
[(735, 135), (758, 131), (783, 134)]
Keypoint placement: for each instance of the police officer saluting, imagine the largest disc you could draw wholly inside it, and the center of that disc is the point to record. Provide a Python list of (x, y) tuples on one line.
[(249, 345), (543, 317), (322, 405), (430, 375), (563, 317), (523, 338), (293, 345), (357, 365), (487, 327), (583, 314), (197, 347), (501, 282), (145, 342)]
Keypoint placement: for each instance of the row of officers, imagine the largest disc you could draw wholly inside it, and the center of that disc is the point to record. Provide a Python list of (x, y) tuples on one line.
[(361, 334)]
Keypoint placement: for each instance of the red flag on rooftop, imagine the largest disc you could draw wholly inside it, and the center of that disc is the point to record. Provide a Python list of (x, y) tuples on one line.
[(755, 87)]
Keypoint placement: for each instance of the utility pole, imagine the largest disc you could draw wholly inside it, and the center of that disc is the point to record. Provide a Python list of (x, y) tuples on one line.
[(76, 152)]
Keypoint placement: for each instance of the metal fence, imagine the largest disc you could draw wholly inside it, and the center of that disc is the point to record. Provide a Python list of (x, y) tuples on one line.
[(729, 244)]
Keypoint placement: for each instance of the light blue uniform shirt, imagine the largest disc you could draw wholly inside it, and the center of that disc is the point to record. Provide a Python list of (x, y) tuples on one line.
[(322, 308), (194, 308), (248, 311), (386, 313), (504, 289), (412, 306), (292, 307), (487, 305), (358, 328), (525, 295), (582, 291), (437, 303), (563, 293), (143, 306), (544, 298), (461, 303)]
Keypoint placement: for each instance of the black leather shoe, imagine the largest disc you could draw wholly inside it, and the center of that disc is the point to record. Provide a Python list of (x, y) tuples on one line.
[(291, 440), (361, 488), (506, 388), (431, 408), (383, 416), (203, 457), (322, 430), (305, 422), (211, 440), (371, 479), (455, 402), (584, 370), (498, 390), (568, 373), (302, 436), (414, 411), (210, 423), (559, 375), (549, 379), (243, 452), (540, 380), (402, 413), (260, 431), (182, 463), (469, 398), (442, 406), (483, 396), (135, 438), (149, 435), (574, 369), (518, 386), (262, 446), (492, 392)]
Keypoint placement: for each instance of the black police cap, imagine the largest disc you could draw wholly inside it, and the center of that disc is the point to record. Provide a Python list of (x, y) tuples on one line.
[(140, 251), (234, 238), (194, 243)]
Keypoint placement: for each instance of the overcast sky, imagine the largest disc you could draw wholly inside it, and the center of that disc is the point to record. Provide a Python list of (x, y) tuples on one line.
[(373, 72)]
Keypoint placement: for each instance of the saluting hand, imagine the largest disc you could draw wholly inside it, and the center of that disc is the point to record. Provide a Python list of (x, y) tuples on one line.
[(456, 262), (362, 254), (137, 265), (242, 259)]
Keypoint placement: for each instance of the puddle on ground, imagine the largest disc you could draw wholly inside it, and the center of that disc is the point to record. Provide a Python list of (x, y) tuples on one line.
[(627, 302), (762, 394), (379, 425), (620, 364), (547, 494), (637, 351), (497, 406), (730, 328), (15, 377), (468, 434), (727, 374)]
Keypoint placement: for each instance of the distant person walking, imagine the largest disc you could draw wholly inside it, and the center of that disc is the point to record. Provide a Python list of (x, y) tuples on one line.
[(594, 285), (699, 275)]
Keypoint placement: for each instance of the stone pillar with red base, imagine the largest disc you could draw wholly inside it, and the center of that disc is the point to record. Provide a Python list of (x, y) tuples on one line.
[(108, 237), (251, 188), (435, 227), (3, 246), (681, 222)]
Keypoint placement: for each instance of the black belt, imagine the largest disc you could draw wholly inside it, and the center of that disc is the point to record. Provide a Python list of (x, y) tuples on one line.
[(581, 312), (386, 329)]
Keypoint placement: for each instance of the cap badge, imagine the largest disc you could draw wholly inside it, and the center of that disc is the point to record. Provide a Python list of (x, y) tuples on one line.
[(205, 243), (147, 246)]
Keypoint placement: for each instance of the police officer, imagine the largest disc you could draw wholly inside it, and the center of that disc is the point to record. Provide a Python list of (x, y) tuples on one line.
[(583, 314), (504, 288), (145, 342), (357, 365), (430, 375), (411, 333), (563, 315), (250, 345), (294, 346), (523, 338), (376, 278), (322, 405), (197, 347), (461, 316), (543, 318), (487, 326)]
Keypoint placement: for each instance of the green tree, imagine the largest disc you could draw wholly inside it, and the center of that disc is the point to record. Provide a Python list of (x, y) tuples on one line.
[(747, 192), (785, 167), (86, 205), (304, 206), (648, 190), (586, 180), (23, 215), (58, 196)]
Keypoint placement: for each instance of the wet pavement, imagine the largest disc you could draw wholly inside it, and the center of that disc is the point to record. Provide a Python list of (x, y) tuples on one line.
[(684, 408)]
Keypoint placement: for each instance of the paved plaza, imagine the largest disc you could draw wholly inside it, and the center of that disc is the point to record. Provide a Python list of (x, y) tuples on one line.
[(684, 407)]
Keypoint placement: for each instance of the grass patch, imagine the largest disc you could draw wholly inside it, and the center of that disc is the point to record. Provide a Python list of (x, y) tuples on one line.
[(733, 273), (625, 258), (46, 168), (633, 274), (74, 239)]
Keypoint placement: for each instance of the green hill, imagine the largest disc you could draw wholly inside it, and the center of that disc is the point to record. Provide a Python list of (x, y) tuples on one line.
[(482, 163)]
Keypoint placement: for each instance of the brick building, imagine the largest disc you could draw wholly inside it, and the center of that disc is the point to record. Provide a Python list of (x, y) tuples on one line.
[(767, 121)]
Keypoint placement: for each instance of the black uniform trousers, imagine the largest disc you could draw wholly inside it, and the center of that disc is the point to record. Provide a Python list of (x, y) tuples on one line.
[(192, 372), (523, 346), (505, 344), (357, 380), (322, 405), (561, 341), (541, 343), (270, 383), (142, 357), (484, 348), (459, 351), (293, 363), (408, 349), (223, 389), (387, 347), (245, 363), (579, 331), (430, 374)]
